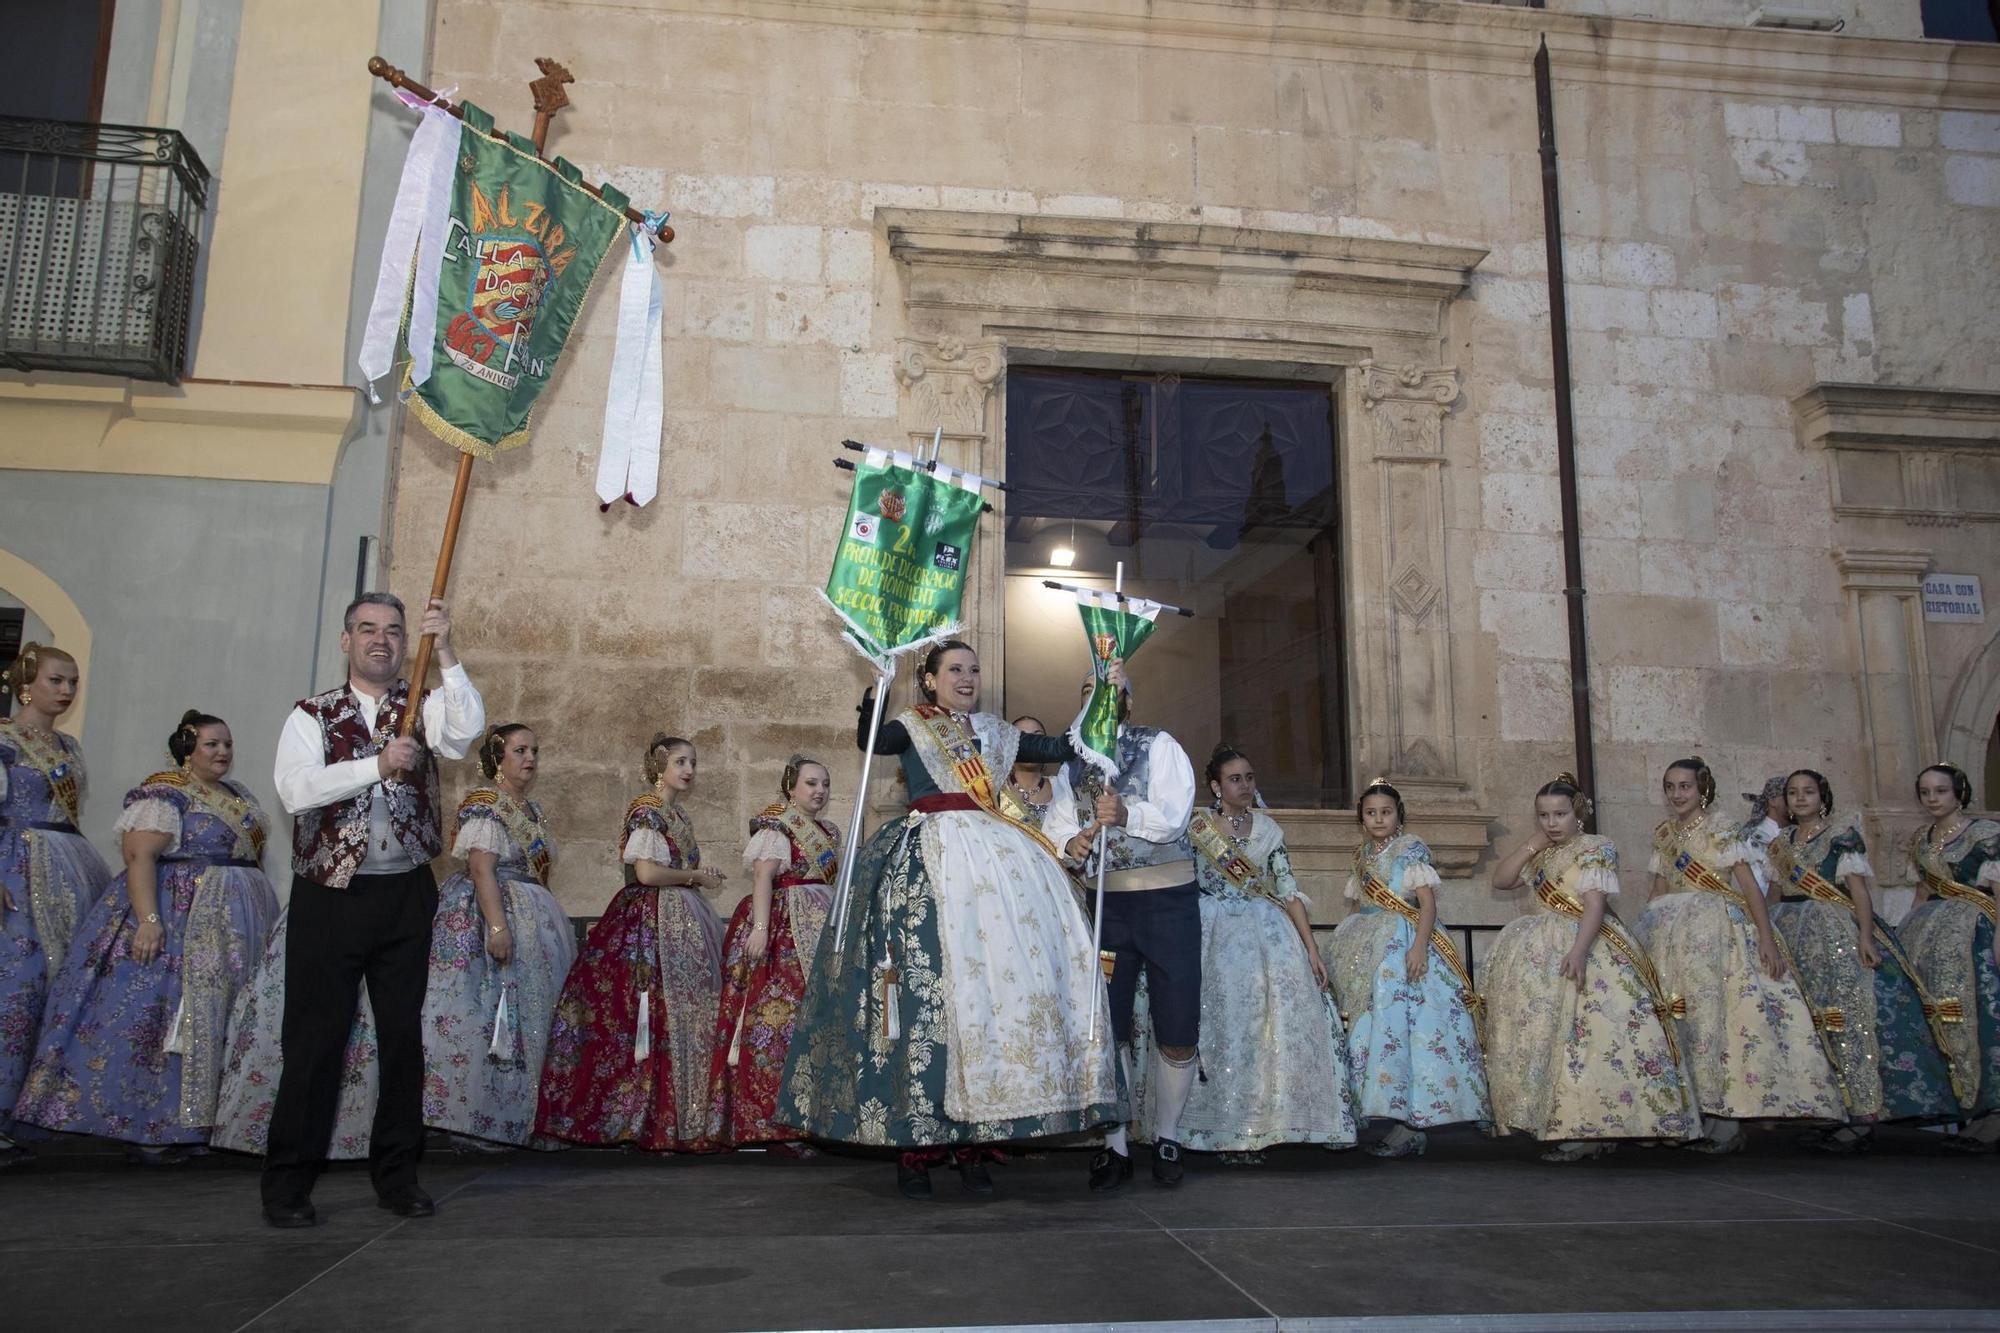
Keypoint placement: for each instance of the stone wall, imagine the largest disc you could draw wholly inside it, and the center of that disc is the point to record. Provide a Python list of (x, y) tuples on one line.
[(1348, 190)]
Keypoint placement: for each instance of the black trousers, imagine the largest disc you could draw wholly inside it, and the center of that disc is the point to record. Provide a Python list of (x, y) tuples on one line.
[(377, 929), (1159, 930)]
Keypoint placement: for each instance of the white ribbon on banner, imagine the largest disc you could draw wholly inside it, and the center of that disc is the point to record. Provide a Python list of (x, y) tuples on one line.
[(416, 236), (628, 460)]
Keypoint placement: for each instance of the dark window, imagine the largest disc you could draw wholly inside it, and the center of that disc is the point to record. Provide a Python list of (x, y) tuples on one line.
[(61, 48), (1962, 20), (12, 618), (1218, 495)]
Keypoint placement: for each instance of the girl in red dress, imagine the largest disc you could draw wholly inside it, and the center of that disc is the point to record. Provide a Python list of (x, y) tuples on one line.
[(793, 857), (628, 1053)]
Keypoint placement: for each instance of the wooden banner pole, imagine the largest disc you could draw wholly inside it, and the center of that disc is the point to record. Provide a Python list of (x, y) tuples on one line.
[(549, 99)]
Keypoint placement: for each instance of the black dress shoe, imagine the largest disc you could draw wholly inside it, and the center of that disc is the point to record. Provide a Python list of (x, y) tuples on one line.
[(913, 1182), (411, 1202), (1109, 1170), (972, 1174), (298, 1213), (1167, 1163)]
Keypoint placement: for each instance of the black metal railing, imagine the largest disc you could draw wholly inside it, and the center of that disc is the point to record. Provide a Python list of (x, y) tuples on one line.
[(100, 226)]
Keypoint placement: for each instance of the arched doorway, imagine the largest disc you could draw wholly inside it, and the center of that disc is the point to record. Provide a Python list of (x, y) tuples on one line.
[(1972, 723), (45, 600)]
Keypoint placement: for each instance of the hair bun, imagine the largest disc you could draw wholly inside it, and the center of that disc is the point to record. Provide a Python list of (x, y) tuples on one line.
[(1568, 778)]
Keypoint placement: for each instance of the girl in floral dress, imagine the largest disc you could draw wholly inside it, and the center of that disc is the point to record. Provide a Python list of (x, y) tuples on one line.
[(1879, 1023), (500, 948), (1950, 939), (1748, 1034), (1271, 1040), (131, 1046), (50, 875), (1403, 990), (628, 1056), (793, 857), (1580, 1041)]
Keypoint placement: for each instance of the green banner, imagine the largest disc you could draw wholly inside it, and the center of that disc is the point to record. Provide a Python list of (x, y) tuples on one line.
[(899, 573), (523, 243), (1114, 627)]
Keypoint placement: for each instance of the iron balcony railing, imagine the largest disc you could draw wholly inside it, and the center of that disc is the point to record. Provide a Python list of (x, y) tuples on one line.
[(100, 226)]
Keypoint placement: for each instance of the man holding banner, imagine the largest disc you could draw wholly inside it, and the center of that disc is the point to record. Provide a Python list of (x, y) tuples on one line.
[(1119, 810)]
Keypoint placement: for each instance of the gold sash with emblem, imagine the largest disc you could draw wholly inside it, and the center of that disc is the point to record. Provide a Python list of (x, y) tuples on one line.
[(1378, 893), (1205, 831), (238, 813), (1666, 1006), (819, 850), (48, 756), (521, 826), (969, 767), (1826, 1021)]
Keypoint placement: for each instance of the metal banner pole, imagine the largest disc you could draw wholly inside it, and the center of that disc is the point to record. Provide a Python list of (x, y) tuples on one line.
[(1097, 917), (854, 824)]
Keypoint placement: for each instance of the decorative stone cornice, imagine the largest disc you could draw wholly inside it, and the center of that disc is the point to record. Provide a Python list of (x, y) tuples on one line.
[(1453, 38), (1926, 456), (1199, 252)]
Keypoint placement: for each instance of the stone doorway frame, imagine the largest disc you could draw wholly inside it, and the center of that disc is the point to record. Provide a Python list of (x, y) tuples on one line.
[(969, 293)]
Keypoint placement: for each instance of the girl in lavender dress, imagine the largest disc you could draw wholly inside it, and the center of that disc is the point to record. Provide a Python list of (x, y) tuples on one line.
[(500, 948), (49, 873), (131, 1046)]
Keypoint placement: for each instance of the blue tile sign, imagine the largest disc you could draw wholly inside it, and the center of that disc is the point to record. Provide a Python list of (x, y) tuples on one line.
[(1954, 598)]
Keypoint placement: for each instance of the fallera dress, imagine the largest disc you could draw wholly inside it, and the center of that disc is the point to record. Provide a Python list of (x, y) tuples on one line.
[(1949, 939), (1568, 1065), (131, 1051), (956, 1010), (760, 1000), (486, 1023), (1413, 1046), (1750, 1042), (1879, 1027), (51, 874), (628, 1056), (1273, 1051)]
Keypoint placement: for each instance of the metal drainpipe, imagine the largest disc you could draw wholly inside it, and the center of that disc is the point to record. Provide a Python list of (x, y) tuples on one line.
[(1573, 591)]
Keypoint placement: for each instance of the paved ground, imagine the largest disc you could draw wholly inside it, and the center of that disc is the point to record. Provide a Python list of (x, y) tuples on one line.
[(613, 1241)]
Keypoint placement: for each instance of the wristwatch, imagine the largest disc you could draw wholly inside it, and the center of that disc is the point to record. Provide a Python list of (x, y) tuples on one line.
[(151, 918)]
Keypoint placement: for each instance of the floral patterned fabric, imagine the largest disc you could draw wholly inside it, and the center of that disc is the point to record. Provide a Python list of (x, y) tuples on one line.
[(134, 1052), (628, 1054), (872, 1054), (1413, 1047), (255, 1059), (760, 1001), (1749, 1041), (1950, 943), (486, 1023), (1569, 1064), (1888, 1059), (1272, 1046), (52, 878)]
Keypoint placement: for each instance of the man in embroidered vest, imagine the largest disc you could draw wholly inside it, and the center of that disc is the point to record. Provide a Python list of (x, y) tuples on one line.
[(1152, 918), (365, 826)]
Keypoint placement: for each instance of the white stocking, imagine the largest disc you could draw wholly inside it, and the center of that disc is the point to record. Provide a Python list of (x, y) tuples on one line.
[(1173, 1085)]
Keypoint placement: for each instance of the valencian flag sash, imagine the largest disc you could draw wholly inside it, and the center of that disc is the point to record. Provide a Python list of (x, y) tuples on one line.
[(899, 571), (489, 256), (1115, 627)]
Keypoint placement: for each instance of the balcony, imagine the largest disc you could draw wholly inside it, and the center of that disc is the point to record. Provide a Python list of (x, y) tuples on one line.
[(100, 227)]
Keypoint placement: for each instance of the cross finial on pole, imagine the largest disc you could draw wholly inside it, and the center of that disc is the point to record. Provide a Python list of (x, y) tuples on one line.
[(549, 96)]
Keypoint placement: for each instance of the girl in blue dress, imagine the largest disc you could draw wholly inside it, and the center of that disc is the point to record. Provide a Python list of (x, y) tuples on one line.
[(1402, 988)]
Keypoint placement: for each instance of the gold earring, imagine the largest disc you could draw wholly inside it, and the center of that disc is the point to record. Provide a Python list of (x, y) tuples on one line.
[(26, 697)]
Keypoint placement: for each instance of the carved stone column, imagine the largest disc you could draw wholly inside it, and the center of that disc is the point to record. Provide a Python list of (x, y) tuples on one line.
[(1405, 408), (947, 384), (1885, 614)]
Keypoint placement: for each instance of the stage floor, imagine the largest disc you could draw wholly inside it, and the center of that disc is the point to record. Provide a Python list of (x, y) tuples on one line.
[(605, 1240)]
